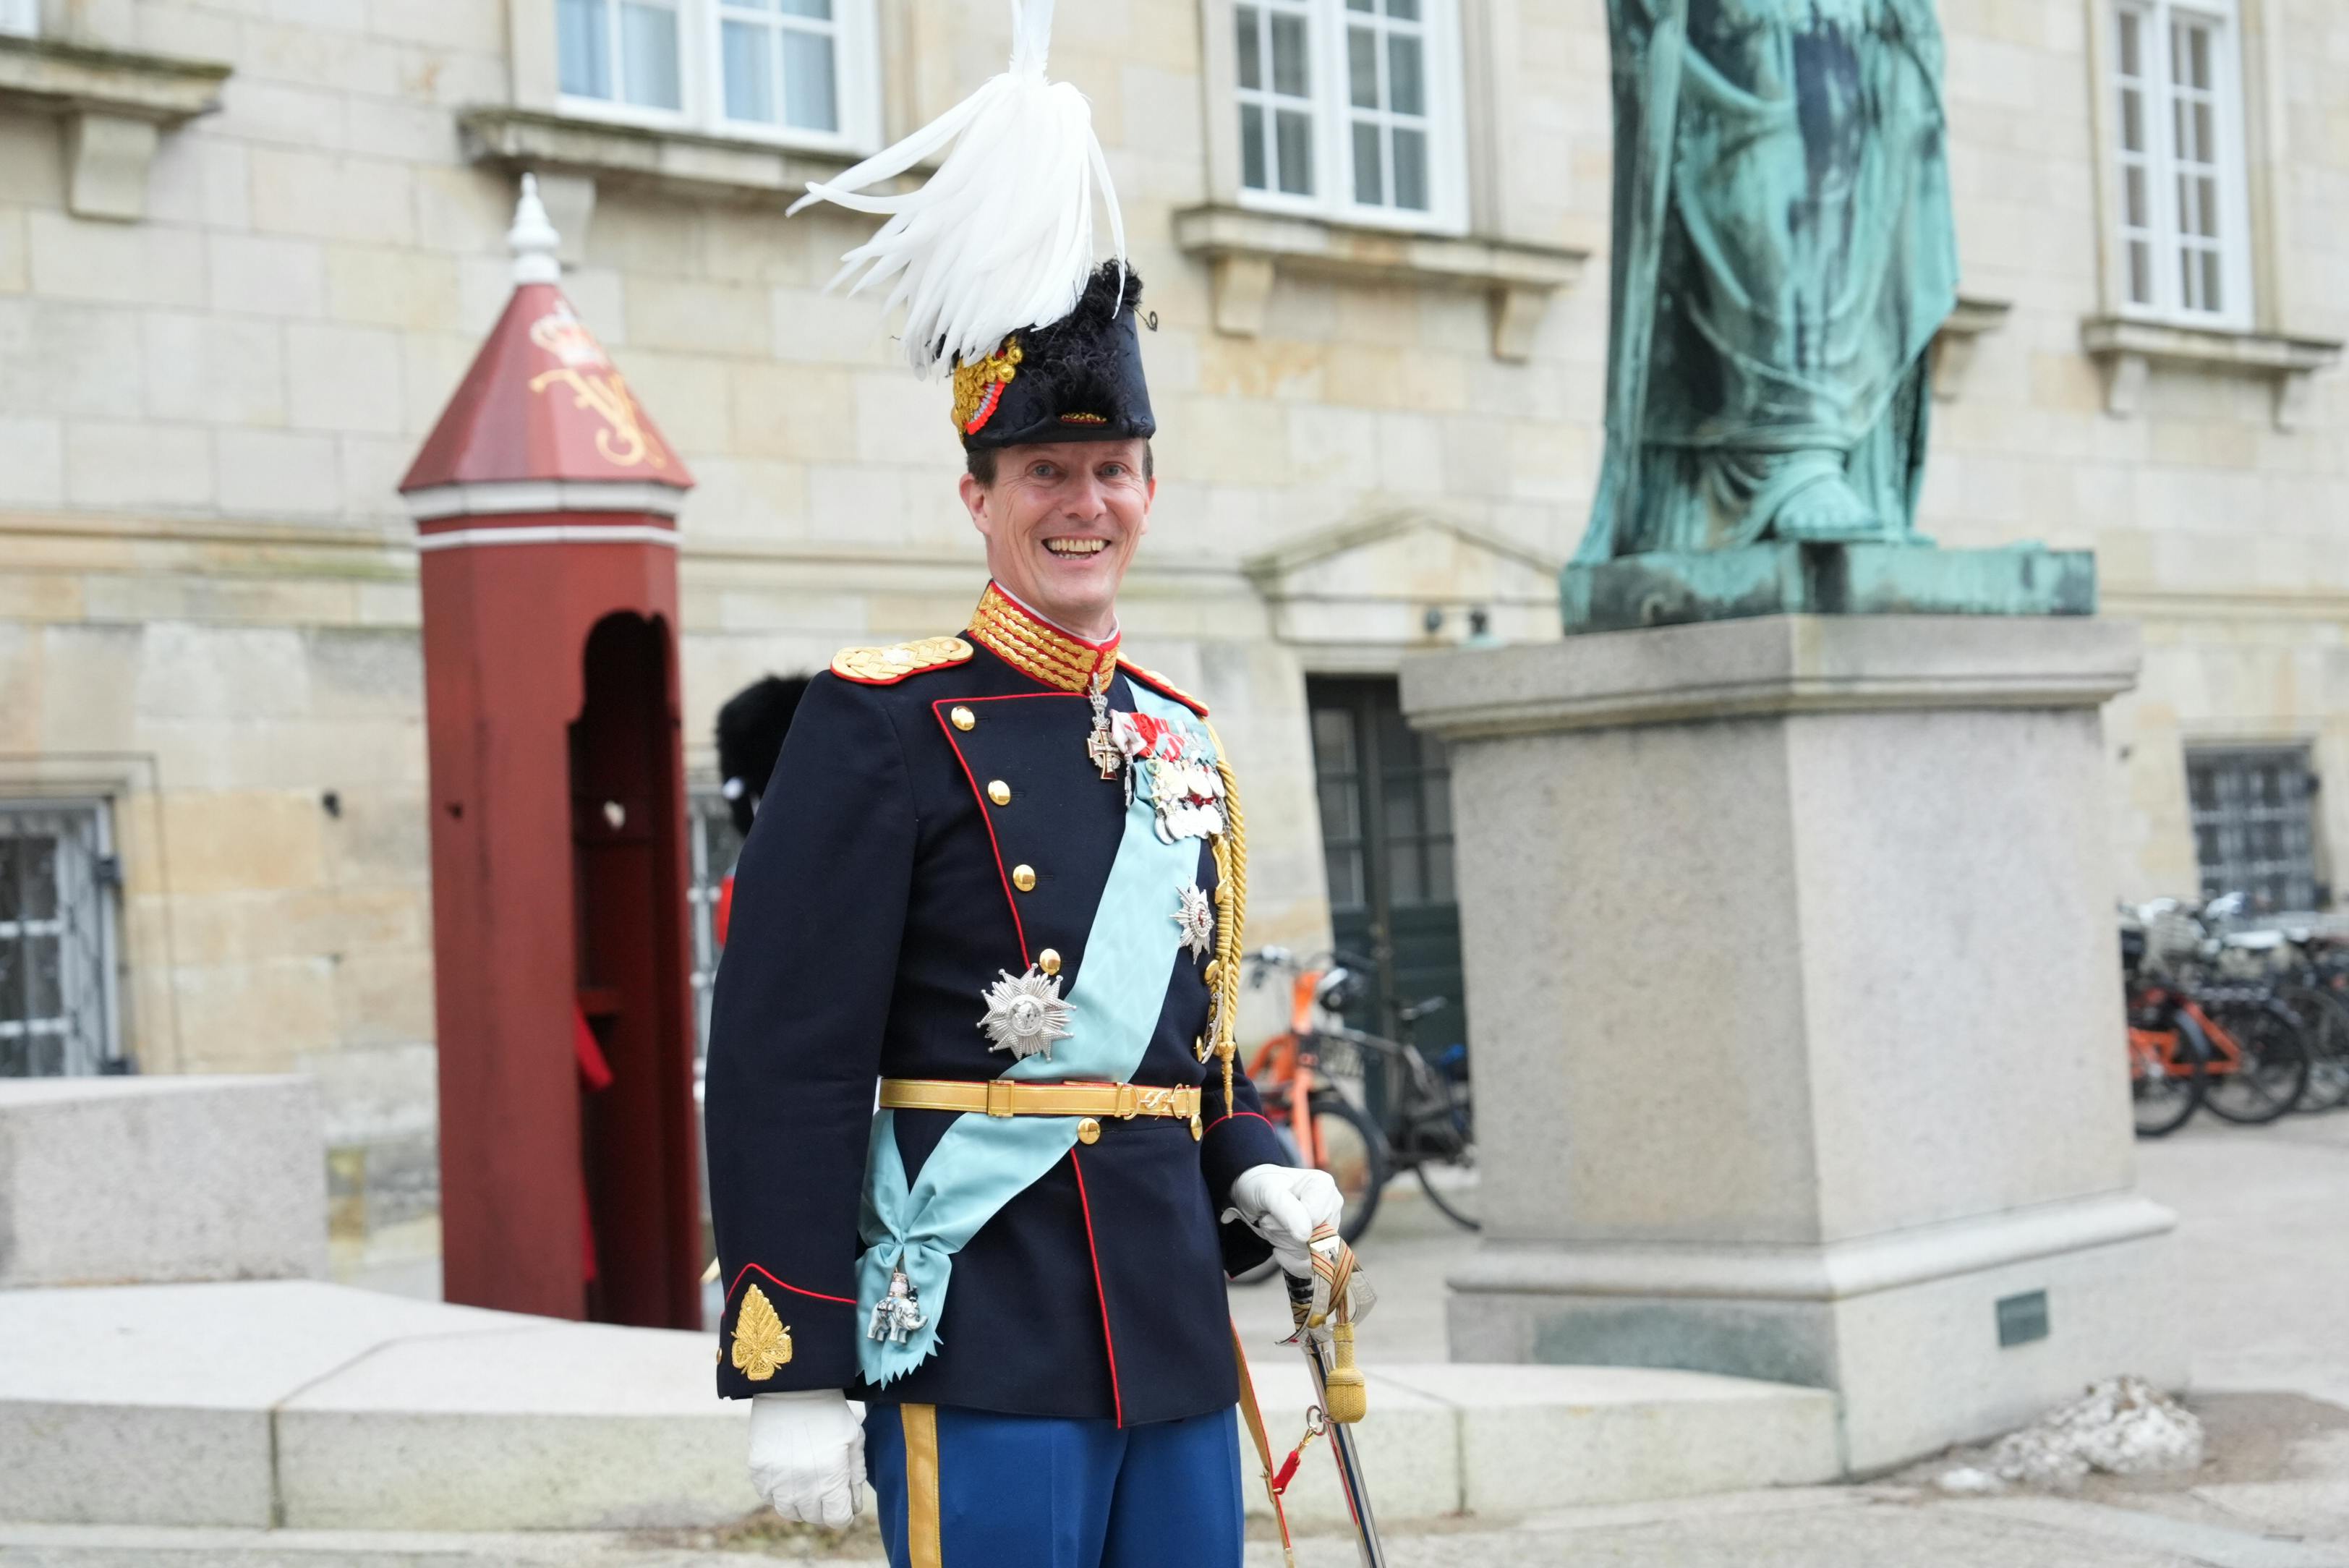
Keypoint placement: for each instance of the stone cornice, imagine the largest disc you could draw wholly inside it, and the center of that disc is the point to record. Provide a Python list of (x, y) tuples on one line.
[(1246, 249), (2127, 349), (116, 105), (1774, 665)]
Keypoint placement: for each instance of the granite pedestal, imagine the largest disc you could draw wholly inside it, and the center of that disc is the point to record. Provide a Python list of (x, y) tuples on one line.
[(1798, 1048)]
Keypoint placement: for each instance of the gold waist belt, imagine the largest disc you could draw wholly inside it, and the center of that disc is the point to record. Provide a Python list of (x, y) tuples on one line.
[(1007, 1098)]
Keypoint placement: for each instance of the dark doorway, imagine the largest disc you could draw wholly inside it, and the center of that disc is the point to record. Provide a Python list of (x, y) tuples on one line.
[(1385, 793), (637, 1116)]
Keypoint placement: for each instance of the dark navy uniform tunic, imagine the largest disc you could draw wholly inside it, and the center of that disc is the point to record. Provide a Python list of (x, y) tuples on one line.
[(875, 900)]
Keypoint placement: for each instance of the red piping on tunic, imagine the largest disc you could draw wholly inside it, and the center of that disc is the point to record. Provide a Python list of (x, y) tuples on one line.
[(753, 1268), (1228, 1115), (939, 709), (1117, 1400)]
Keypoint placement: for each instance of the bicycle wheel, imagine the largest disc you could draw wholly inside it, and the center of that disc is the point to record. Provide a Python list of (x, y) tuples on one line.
[(2325, 1020), (1354, 1152), (2164, 1093), (2272, 1073), (1451, 1186)]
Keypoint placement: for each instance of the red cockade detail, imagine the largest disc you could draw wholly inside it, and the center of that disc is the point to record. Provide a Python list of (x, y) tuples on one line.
[(988, 404)]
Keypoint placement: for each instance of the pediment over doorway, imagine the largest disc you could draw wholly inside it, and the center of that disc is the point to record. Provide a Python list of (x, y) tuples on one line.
[(1379, 581)]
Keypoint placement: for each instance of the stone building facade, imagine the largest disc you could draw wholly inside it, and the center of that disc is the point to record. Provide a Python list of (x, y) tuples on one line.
[(248, 246)]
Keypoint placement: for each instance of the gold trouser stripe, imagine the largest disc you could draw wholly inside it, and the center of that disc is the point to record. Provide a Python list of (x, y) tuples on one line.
[(923, 1548), (1253, 1414)]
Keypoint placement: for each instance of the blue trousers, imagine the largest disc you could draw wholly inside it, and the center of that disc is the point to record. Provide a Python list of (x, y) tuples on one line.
[(970, 1488)]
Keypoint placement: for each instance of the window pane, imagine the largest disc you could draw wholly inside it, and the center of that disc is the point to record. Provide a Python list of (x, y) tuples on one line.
[(2205, 142), (1251, 48), (2212, 298), (820, 9), (1338, 809), (1404, 10), (1401, 802), (1333, 741), (2141, 261), (749, 75), (2206, 201), (1404, 883), (2132, 120), (1289, 73), (1370, 178), (1293, 144), (583, 55), (46, 997), (649, 54), (807, 82), (1364, 5), (1345, 878), (1252, 146), (2132, 45), (1411, 169), (2135, 198), (36, 874), (1405, 93), (1362, 66), (1439, 872)]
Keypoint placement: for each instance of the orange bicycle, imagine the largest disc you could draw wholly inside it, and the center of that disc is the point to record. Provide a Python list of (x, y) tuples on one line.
[(1360, 1107)]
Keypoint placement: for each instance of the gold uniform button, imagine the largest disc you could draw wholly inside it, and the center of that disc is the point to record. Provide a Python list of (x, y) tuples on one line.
[(1024, 878), (1089, 1131), (963, 718), (999, 793), (1048, 960)]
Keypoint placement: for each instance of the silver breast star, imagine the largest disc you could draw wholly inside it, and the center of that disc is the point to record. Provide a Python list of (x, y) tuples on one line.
[(1025, 1016), (1197, 918)]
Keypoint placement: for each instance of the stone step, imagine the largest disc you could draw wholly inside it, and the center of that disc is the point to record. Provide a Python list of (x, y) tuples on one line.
[(305, 1406)]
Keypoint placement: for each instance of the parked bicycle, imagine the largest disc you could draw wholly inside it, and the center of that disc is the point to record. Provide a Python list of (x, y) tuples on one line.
[(2219, 1018), (1321, 1078)]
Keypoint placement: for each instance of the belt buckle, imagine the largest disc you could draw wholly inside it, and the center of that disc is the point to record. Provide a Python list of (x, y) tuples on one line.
[(1154, 1102), (1000, 1096)]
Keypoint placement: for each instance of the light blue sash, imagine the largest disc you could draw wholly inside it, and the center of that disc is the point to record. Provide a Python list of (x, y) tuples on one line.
[(983, 1162)]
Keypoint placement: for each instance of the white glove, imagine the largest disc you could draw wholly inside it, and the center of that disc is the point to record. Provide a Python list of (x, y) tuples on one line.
[(807, 1456), (1283, 1205)]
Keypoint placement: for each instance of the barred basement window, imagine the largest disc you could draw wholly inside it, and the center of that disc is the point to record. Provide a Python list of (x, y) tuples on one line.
[(58, 1014), (1350, 109), (2185, 224), (796, 71), (2254, 831)]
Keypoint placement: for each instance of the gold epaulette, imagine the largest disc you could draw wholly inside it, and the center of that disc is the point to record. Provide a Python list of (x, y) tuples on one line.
[(1163, 686), (887, 666)]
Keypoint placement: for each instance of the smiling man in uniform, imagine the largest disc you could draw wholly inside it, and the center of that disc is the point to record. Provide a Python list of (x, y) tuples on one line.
[(1001, 874)]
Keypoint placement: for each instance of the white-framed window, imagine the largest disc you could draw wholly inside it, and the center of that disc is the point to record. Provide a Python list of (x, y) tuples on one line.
[(20, 18), (60, 1006), (804, 72), (2184, 209), (1351, 109)]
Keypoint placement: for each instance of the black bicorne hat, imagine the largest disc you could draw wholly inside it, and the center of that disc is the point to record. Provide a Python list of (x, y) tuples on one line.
[(1078, 379)]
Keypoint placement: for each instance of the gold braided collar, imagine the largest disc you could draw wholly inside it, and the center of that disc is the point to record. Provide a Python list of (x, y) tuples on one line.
[(1038, 648)]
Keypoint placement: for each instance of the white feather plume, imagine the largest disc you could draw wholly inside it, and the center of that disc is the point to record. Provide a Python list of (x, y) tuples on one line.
[(1002, 237)]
